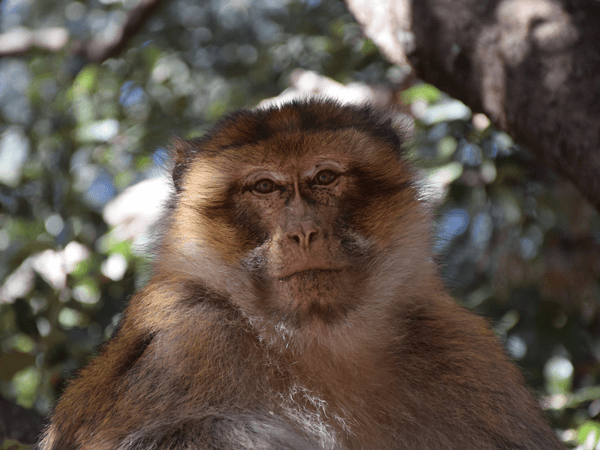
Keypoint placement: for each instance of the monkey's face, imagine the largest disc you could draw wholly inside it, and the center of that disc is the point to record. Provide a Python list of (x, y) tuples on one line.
[(293, 223), (304, 246)]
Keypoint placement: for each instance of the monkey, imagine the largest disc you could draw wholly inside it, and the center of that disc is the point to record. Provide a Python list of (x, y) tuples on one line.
[(295, 304)]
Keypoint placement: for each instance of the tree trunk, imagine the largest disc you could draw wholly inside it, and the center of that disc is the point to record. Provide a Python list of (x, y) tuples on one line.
[(532, 66)]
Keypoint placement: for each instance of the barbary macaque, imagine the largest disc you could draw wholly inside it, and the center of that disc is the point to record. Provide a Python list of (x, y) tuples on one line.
[(295, 304)]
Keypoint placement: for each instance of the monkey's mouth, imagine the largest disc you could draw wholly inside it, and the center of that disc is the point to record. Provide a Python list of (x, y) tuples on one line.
[(325, 295), (309, 274)]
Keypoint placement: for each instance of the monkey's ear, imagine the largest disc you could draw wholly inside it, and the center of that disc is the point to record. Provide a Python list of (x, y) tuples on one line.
[(181, 154)]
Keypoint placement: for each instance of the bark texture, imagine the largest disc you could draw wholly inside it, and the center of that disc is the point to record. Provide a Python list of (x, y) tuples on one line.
[(532, 66)]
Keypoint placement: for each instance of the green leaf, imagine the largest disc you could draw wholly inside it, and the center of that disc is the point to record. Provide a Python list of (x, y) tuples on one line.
[(423, 91), (589, 434), (86, 81), (10, 444)]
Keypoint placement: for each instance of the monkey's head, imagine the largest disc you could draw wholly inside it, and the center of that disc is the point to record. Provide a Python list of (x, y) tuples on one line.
[(299, 213)]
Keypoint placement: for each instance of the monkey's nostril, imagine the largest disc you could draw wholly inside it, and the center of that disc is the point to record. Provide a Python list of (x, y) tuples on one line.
[(303, 239)]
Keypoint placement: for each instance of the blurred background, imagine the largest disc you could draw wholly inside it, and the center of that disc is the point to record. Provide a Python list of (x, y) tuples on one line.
[(91, 94)]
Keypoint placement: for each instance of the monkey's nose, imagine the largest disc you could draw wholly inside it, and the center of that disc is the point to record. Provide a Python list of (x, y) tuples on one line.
[(303, 235)]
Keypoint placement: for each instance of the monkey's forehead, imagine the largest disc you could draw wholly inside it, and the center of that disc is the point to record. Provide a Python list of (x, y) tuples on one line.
[(302, 118), (291, 139), (294, 148)]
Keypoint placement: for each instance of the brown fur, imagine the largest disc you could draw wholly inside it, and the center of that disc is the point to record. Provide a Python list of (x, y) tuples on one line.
[(309, 317)]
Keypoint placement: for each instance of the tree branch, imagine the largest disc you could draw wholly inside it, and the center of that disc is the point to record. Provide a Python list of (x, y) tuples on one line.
[(532, 66), (21, 40), (98, 51)]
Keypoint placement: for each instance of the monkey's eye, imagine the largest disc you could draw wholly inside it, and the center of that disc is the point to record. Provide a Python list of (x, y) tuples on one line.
[(325, 177), (264, 186)]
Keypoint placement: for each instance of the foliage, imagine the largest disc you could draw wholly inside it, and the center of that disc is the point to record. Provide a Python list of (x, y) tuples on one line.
[(515, 243), (519, 246), (10, 444)]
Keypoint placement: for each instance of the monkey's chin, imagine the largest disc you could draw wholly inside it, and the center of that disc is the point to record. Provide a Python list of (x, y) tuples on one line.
[(316, 294)]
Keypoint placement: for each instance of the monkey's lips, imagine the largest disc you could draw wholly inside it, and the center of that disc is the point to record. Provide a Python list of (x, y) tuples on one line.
[(310, 274), (315, 294)]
